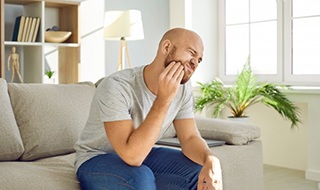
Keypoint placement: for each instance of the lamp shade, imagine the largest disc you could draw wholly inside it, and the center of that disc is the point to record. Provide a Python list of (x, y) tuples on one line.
[(123, 24)]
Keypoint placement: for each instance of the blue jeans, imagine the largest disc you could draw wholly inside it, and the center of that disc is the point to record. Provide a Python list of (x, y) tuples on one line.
[(163, 169)]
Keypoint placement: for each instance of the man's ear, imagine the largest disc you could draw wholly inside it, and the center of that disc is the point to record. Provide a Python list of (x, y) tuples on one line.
[(165, 46)]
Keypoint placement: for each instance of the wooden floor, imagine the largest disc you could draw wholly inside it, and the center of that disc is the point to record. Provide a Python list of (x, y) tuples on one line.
[(276, 178)]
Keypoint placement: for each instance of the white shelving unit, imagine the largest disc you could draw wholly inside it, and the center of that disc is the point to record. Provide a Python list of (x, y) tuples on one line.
[(37, 57)]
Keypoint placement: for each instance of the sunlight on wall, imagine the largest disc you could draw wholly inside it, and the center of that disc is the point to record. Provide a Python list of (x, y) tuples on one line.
[(208, 68), (282, 146), (51, 60), (92, 66)]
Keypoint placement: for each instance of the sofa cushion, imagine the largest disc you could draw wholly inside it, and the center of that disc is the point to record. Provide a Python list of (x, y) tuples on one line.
[(11, 147), (50, 117), (236, 133), (54, 173)]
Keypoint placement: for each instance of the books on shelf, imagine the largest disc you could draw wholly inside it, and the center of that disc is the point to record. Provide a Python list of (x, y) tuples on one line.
[(26, 29), (35, 34), (24, 32), (32, 28), (18, 27)]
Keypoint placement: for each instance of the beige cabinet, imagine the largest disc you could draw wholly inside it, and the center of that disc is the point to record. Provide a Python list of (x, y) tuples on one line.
[(38, 56)]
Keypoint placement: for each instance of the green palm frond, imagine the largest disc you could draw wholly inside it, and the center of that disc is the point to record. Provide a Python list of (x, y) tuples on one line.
[(246, 92), (274, 98)]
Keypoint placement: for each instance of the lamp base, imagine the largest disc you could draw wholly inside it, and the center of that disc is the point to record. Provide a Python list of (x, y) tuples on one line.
[(123, 53)]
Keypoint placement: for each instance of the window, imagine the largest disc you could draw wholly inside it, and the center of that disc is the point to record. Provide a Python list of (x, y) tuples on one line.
[(281, 37)]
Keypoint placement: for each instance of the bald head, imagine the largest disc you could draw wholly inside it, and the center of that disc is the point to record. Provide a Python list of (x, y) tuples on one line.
[(177, 35)]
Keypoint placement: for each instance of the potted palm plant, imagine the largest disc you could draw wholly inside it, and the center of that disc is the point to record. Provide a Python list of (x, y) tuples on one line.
[(246, 92)]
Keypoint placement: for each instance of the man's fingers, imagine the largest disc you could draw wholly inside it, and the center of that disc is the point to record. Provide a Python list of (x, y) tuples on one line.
[(175, 70), (169, 67), (208, 184), (177, 73), (181, 74)]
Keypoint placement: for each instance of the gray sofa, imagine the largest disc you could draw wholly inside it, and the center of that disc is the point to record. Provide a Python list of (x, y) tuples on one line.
[(39, 124)]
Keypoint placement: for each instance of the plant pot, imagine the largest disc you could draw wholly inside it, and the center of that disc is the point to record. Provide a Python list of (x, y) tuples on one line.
[(49, 80), (239, 119)]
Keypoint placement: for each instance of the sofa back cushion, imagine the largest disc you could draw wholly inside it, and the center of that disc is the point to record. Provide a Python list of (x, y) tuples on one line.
[(50, 117), (11, 147)]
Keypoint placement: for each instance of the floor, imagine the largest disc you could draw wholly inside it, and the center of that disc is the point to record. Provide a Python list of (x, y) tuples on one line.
[(276, 178)]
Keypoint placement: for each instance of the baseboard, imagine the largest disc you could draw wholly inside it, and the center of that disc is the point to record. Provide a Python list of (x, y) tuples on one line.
[(312, 175)]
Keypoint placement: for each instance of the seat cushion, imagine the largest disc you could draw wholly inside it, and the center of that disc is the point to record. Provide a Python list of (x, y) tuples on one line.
[(49, 173), (50, 117), (11, 147)]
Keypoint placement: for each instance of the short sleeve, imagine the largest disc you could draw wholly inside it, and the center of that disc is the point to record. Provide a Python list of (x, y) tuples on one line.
[(113, 101), (187, 104)]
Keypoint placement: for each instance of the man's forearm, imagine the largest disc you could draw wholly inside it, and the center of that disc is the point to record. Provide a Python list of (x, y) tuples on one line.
[(197, 150), (144, 137)]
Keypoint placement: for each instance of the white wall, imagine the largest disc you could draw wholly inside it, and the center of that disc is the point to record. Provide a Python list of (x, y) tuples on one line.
[(92, 59)]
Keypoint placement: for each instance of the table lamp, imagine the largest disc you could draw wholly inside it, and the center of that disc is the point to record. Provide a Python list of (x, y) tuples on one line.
[(123, 25)]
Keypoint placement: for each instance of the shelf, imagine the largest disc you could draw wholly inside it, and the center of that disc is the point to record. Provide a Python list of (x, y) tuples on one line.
[(11, 43), (63, 44), (54, 2), (21, 2)]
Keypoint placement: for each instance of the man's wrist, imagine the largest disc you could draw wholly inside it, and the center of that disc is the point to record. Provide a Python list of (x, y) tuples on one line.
[(161, 104), (210, 159)]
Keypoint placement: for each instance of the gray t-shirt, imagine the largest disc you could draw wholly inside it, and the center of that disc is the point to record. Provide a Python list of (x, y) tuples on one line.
[(123, 96)]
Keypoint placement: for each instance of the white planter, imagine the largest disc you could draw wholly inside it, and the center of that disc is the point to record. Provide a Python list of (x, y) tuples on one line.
[(49, 81), (239, 119)]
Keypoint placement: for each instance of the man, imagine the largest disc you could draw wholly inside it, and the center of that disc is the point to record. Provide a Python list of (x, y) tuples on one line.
[(132, 109)]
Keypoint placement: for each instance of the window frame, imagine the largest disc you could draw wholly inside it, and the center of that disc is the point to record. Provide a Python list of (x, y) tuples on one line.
[(300, 80), (284, 50)]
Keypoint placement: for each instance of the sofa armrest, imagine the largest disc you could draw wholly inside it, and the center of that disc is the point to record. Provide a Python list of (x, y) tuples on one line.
[(236, 133)]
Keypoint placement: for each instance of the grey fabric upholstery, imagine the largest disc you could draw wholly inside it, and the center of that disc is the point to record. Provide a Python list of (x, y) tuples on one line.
[(50, 117), (242, 165), (10, 141), (49, 173), (236, 133)]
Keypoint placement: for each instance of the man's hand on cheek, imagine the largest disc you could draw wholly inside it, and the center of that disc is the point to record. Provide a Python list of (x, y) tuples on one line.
[(169, 80)]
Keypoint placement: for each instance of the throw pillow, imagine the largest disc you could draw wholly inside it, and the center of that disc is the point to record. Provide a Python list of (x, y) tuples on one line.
[(50, 117), (11, 147)]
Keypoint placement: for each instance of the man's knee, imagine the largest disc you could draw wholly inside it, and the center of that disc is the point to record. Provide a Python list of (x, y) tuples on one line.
[(142, 177), (132, 178)]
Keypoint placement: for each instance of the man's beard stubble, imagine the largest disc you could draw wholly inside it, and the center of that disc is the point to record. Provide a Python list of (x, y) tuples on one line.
[(170, 58)]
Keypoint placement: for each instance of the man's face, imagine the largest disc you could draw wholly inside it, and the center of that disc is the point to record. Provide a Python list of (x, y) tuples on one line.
[(187, 60)]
